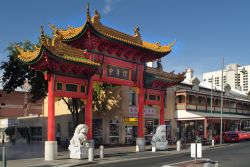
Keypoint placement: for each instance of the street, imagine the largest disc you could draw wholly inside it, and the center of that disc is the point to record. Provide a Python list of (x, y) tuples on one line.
[(228, 156)]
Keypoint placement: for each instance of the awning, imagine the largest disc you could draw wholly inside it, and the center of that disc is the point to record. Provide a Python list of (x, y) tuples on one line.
[(199, 115)]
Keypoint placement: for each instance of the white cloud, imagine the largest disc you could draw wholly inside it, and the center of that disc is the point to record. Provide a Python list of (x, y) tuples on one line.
[(109, 4)]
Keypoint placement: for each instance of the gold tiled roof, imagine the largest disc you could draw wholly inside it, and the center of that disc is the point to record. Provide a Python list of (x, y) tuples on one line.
[(57, 48), (28, 56), (117, 35)]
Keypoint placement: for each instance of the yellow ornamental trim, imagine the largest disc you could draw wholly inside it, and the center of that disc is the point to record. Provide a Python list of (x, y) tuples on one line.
[(28, 56), (80, 60)]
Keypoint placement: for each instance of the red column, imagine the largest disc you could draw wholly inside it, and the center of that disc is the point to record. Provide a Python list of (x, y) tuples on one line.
[(51, 107), (140, 103), (88, 110), (162, 108), (141, 113)]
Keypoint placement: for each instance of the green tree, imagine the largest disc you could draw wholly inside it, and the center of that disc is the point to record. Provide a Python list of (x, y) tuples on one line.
[(106, 97)]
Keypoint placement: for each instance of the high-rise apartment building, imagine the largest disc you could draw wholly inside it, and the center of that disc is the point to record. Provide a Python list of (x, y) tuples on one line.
[(234, 75)]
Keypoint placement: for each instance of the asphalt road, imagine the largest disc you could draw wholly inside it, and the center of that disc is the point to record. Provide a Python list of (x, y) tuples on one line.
[(234, 155)]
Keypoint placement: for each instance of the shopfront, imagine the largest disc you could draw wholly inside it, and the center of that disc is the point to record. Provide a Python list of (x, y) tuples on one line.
[(151, 122)]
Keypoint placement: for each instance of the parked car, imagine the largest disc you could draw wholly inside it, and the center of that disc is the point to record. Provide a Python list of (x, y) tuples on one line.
[(247, 129), (243, 135), (227, 137)]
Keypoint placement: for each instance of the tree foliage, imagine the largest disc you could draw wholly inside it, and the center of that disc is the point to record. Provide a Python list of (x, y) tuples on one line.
[(16, 73), (106, 97)]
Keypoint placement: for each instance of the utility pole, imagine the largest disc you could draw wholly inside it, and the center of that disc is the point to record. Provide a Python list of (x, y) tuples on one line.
[(211, 108), (221, 105)]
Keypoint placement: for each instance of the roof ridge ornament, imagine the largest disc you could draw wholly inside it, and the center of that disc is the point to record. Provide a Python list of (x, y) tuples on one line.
[(42, 36), (88, 13), (137, 32), (57, 36), (172, 43), (96, 18)]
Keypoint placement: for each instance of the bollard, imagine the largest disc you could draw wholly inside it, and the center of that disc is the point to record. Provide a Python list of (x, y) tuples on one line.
[(91, 154), (101, 152), (212, 142), (4, 156), (153, 147), (178, 145), (216, 164)]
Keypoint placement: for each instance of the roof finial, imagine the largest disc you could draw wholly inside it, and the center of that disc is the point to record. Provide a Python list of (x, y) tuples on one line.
[(172, 43), (88, 13), (42, 36), (137, 32)]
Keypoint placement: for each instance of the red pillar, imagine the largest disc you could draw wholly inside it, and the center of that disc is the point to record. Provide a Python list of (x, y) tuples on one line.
[(141, 103), (88, 110), (141, 113), (162, 108), (51, 107)]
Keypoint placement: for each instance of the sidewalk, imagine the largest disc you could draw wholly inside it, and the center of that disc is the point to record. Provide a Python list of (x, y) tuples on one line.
[(124, 153)]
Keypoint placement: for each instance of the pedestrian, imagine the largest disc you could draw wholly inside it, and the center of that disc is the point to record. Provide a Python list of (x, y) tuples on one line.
[(13, 139), (58, 137), (28, 138)]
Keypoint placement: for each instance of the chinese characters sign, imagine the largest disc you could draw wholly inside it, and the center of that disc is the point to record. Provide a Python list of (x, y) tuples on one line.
[(148, 112), (117, 72)]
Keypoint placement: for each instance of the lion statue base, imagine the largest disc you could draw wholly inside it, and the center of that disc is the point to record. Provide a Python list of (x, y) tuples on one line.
[(79, 144), (159, 140)]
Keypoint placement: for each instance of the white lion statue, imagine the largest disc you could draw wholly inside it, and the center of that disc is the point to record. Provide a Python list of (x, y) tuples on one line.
[(79, 143), (159, 138)]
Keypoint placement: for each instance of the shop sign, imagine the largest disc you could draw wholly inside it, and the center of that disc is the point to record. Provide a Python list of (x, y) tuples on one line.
[(117, 72), (131, 121), (148, 112)]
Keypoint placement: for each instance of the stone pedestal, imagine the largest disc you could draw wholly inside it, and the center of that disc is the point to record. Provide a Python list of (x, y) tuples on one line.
[(79, 152), (140, 144), (50, 150), (161, 145)]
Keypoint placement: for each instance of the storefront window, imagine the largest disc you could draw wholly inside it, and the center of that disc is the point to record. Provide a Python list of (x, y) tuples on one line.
[(131, 134), (114, 132), (150, 127), (36, 133), (97, 131)]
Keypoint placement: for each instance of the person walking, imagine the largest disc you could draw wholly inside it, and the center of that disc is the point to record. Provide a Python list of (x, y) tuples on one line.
[(28, 138)]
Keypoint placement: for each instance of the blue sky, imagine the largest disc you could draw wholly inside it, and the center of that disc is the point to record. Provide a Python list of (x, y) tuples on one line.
[(205, 30)]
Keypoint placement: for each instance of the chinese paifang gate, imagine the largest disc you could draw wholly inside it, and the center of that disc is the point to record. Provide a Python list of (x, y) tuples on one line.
[(76, 57)]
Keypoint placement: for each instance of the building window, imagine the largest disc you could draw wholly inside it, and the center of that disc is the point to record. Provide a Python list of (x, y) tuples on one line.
[(71, 87), (58, 86), (224, 79), (132, 98), (114, 132), (152, 97), (216, 81), (97, 131), (83, 89)]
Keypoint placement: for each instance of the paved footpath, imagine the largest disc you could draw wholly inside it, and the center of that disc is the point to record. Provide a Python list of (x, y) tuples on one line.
[(23, 155)]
